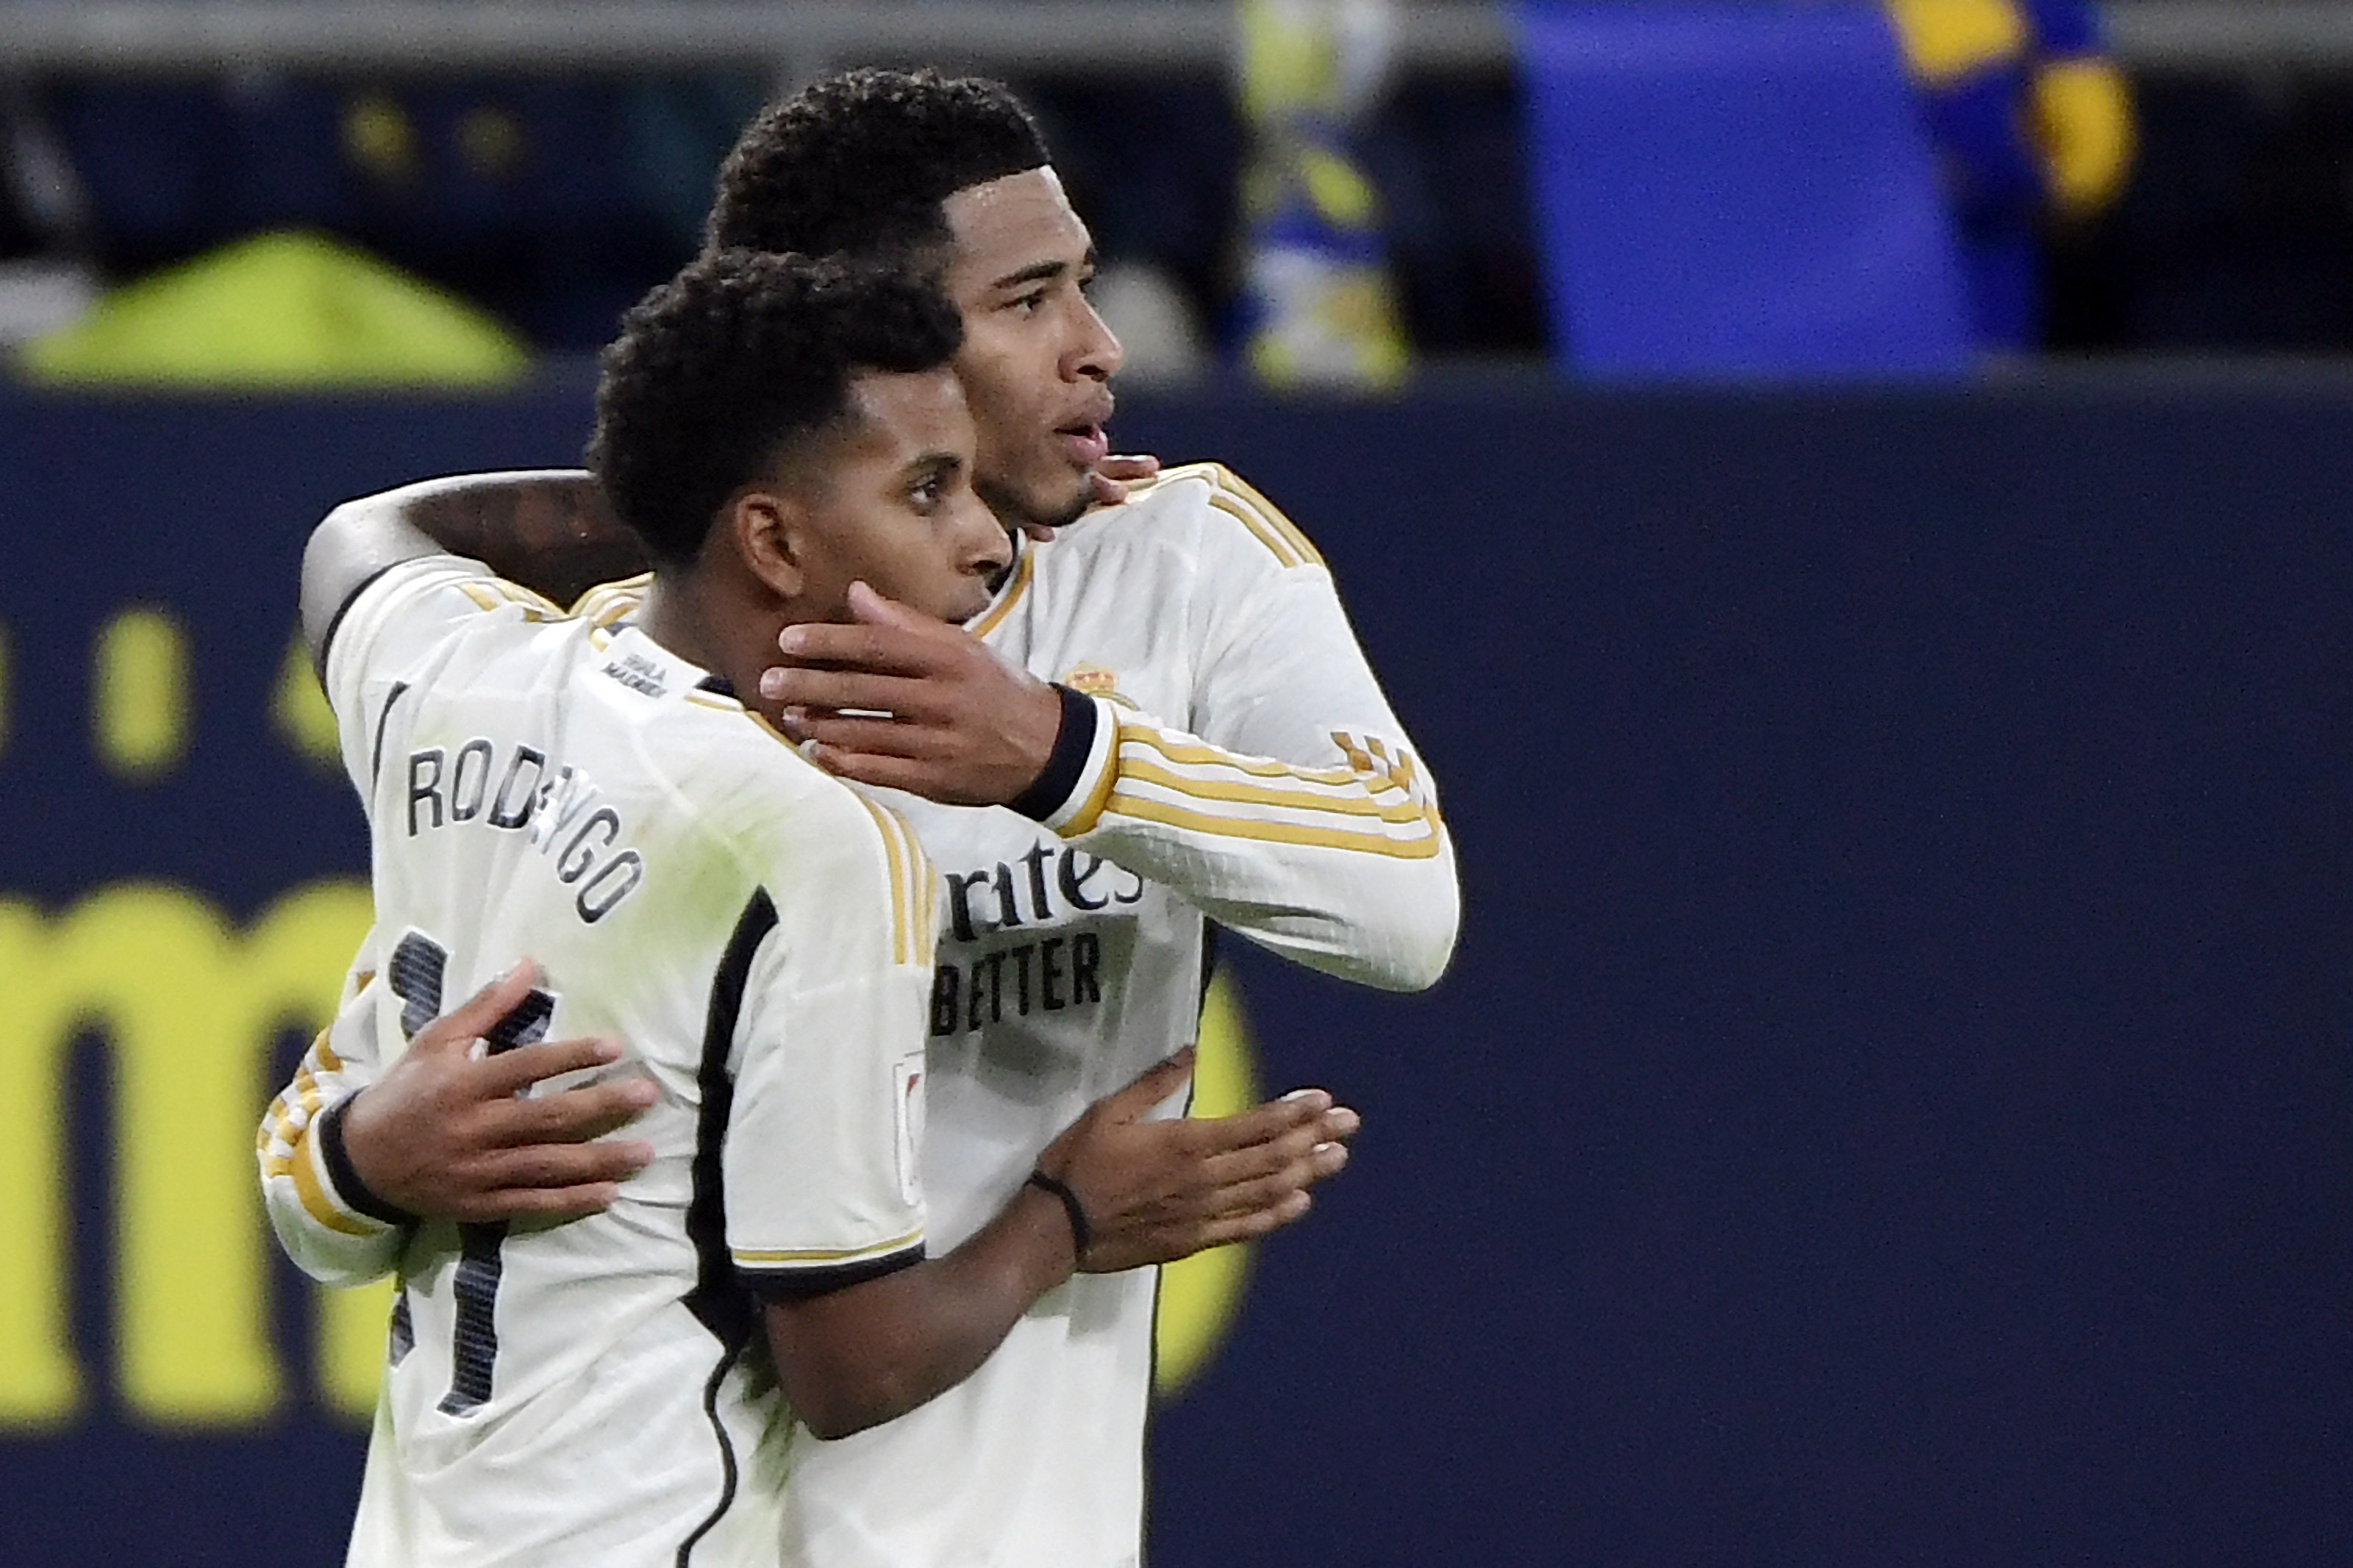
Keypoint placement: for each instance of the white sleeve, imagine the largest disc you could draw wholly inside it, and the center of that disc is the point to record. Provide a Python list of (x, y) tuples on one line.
[(314, 1200), (821, 1156), (1294, 810)]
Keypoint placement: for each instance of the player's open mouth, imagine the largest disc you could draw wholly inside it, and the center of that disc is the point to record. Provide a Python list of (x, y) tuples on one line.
[(1086, 444)]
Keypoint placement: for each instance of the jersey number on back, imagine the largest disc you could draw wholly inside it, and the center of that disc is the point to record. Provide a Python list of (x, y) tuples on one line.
[(417, 966)]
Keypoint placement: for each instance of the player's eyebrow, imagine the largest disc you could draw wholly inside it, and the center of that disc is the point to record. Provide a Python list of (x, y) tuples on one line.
[(1043, 271)]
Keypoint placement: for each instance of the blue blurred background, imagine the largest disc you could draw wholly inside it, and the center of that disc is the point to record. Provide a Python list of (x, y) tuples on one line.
[(1851, 500)]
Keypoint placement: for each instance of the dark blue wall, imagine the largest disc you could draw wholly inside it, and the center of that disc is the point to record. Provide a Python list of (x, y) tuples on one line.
[(1892, 1102)]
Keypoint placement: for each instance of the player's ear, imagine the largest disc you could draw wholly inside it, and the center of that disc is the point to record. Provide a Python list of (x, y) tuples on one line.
[(766, 528)]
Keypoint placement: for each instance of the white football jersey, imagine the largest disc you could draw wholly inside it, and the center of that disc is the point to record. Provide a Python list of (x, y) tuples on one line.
[(1244, 764), (760, 937)]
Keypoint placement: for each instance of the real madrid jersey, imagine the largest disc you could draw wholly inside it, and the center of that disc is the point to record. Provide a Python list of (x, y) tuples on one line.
[(1242, 762), (1237, 758), (759, 937)]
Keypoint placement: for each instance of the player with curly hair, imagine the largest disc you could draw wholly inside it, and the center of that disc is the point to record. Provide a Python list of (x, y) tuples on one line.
[(581, 804), (1161, 718)]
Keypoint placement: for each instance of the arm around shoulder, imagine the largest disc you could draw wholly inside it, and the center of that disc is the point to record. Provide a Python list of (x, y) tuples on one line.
[(1287, 800), (351, 546), (547, 530)]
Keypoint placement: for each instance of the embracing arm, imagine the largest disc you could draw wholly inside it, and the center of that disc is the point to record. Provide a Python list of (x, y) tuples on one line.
[(1290, 807), (548, 530), (354, 1150), (305, 1185)]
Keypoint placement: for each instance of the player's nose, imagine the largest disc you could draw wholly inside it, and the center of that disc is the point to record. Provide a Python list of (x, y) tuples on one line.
[(1094, 350), (983, 546)]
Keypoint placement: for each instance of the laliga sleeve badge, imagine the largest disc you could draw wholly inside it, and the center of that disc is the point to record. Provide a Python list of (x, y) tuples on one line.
[(907, 1090)]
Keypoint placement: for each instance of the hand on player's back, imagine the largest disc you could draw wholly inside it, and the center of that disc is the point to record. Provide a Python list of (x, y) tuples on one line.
[(900, 699), (1156, 1190), (444, 1133)]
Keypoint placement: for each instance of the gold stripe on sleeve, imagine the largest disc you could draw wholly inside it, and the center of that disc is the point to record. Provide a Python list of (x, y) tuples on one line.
[(922, 898), (497, 593), (320, 1206), (1398, 811), (538, 607), (304, 1093), (896, 844), (1373, 758), (895, 853), (927, 926), (915, 908), (1420, 849), (1358, 758), (1084, 819), (1268, 512), (1265, 535), (605, 603), (1257, 767), (278, 1122), (754, 1257)]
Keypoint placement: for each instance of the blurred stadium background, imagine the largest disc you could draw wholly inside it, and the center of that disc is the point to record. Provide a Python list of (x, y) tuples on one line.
[(1892, 1104)]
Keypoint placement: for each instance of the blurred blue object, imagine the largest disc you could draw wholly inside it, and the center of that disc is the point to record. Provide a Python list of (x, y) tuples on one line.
[(1736, 189)]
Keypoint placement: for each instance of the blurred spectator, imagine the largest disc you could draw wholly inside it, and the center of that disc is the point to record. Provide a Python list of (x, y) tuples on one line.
[(2034, 128), (552, 200), (1318, 305)]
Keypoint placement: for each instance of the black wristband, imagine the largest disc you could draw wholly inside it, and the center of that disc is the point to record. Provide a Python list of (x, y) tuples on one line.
[(345, 1176), (1073, 741), (1081, 1233)]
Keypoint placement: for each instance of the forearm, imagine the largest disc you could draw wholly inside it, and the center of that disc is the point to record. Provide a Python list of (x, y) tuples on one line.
[(326, 1234), (870, 1353), (1341, 862), (549, 530), (1370, 920), (1286, 801)]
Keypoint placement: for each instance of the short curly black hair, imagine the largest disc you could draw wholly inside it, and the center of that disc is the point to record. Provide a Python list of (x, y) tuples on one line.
[(859, 163), (718, 370)]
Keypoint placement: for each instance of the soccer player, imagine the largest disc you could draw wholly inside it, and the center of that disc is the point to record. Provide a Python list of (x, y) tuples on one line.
[(588, 789), (1162, 714)]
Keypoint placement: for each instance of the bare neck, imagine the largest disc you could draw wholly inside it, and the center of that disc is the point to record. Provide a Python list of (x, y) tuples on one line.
[(731, 633)]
